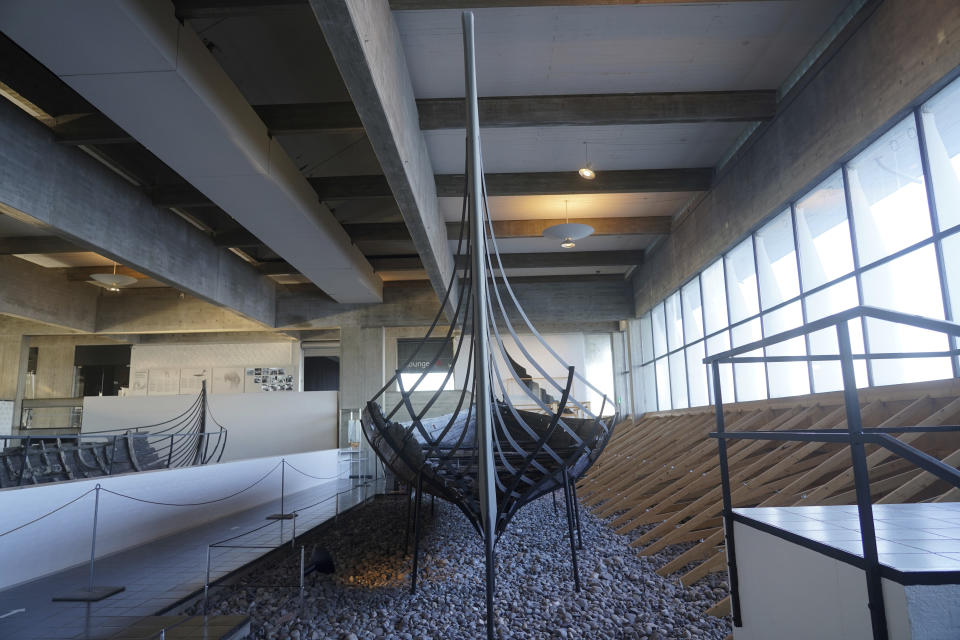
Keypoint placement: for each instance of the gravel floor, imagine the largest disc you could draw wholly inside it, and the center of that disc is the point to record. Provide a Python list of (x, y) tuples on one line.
[(368, 596)]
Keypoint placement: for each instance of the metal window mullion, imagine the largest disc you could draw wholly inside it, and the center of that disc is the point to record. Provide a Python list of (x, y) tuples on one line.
[(756, 277), (935, 232), (726, 298), (848, 199), (802, 297), (703, 315)]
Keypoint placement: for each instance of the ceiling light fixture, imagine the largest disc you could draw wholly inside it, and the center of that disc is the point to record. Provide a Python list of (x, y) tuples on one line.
[(568, 232), (113, 281), (586, 171)]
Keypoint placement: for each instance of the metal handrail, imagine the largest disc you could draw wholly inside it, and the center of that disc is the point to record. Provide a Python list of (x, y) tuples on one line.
[(855, 436), (920, 322)]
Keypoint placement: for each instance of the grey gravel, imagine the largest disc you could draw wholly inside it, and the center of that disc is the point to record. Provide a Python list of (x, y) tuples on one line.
[(368, 596)]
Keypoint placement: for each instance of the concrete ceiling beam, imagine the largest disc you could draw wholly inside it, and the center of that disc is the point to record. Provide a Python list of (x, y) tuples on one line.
[(37, 244), (366, 45), (510, 111), (154, 78), (71, 194)]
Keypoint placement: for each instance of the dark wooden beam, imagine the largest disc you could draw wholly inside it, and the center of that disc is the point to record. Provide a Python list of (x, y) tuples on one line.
[(566, 259), (276, 268), (603, 109), (200, 9), (642, 225), (37, 244), (179, 195), (448, 113), (349, 187), (640, 181)]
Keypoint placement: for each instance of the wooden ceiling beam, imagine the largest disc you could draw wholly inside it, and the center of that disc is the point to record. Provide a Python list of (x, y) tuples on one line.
[(564, 182), (83, 274)]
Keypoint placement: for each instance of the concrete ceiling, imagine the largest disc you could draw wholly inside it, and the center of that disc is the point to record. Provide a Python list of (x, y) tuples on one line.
[(281, 58)]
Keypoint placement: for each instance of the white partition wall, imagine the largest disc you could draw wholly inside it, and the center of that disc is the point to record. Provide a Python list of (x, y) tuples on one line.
[(62, 540), (262, 424)]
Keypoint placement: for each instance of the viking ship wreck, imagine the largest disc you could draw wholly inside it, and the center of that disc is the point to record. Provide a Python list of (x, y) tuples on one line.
[(488, 457)]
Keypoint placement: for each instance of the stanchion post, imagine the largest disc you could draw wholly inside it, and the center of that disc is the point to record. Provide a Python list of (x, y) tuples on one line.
[(93, 536), (301, 573), (206, 582), (283, 479)]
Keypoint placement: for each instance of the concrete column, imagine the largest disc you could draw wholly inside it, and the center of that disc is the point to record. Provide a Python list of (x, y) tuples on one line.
[(361, 369)]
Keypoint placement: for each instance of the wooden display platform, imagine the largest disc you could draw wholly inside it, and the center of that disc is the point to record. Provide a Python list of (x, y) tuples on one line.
[(663, 469)]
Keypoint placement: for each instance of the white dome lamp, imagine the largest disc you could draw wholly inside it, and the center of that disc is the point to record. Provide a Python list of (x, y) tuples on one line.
[(568, 232), (113, 281)]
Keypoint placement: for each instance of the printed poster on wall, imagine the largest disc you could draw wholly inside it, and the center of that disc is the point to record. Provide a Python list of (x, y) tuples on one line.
[(191, 380), (227, 380), (163, 382), (138, 383)]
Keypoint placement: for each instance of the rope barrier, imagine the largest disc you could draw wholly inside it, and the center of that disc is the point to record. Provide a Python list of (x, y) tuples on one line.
[(195, 504), (50, 513)]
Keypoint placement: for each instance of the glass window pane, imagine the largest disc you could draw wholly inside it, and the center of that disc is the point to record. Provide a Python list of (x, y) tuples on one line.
[(649, 378), (714, 297), (941, 127), (786, 378), (678, 380), (674, 321), (697, 376), (951, 260), (663, 385), (646, 339), (741, 281), (750, 378), (887, 193), (777, 261), (910, 284), (718, 344), (823, 234), (834, 299), (659, 330), (692, 311)]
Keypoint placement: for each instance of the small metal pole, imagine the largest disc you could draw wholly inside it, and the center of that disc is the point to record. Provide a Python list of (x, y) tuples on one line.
[(93, 537), (170, 454), (730, 546), (301, 572), (163, 633), (206, 582), (283, 476), (294, 538)]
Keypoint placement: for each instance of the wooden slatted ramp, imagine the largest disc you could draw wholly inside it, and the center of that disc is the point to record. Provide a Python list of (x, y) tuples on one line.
[(658, 481)]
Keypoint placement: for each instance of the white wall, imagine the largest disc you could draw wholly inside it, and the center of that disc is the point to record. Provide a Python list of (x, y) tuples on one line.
[(262, 424), (62, 540), (790, 592)]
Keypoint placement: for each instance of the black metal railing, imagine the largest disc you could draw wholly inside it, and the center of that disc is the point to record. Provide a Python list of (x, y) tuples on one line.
[(855, 435)]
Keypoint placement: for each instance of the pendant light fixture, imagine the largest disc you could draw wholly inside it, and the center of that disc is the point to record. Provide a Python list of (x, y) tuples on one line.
[(568, 232), (586, 171), (113, 281)]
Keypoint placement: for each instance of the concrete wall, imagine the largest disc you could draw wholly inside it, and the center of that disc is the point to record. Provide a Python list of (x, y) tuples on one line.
[(261, 424), (901, 53), (62, 540)]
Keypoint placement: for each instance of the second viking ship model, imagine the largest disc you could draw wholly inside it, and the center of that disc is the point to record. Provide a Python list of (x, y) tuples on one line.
[(488, 457)]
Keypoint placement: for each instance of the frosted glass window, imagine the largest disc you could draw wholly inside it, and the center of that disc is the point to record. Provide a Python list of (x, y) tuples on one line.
[(951, 260), (678, 380), (941, 127), (910, 284), (777, 261), (887, 193), (750, 378), (646, 339), (718, 344), (692, 311), (697, 376), (663, 385), (786, 378), (649, 381), (674, 322), (714, 297), (823, 234), (741, 281), (834, 299), (659, 330)]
